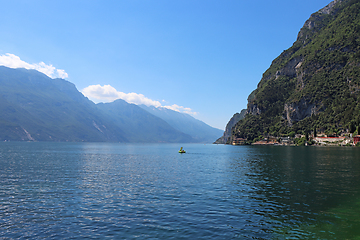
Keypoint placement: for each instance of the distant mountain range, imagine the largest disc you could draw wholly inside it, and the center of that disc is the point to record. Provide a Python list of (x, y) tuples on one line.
[(35, 107), (312, 87), (185, 123)]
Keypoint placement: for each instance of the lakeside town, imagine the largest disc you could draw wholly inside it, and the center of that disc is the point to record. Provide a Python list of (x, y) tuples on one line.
[(303, 140)]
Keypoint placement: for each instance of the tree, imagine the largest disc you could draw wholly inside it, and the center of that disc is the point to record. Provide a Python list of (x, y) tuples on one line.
[(352, 127)]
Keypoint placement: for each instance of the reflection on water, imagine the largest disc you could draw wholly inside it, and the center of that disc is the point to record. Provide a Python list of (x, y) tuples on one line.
[(128, 191), (302, 187)]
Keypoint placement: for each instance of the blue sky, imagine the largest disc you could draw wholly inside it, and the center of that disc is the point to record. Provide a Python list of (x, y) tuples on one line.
[(203, 57)]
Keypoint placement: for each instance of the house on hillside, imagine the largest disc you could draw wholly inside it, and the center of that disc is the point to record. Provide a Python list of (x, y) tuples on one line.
[(285, 140), (329, 140), (266, 141), (239, 141), (356, 139)]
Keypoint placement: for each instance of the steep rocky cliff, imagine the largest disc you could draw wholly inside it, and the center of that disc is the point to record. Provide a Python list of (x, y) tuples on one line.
[(225, 138), (313, 84)]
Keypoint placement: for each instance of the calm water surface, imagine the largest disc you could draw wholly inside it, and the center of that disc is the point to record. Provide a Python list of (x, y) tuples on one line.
[(150, 191)]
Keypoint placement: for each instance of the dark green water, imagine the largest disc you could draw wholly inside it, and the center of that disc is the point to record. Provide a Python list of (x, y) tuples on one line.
[(150, 191)]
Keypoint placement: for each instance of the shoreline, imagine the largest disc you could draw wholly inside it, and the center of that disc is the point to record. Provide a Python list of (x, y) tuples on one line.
[(343, 141)]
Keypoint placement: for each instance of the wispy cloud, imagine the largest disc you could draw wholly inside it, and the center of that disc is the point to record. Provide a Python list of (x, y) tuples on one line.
[(13, 61), (107, 93), (178, 108)]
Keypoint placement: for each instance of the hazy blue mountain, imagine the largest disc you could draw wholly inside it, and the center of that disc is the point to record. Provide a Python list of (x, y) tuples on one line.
[(139, 125), (185, 123), (37, 108)]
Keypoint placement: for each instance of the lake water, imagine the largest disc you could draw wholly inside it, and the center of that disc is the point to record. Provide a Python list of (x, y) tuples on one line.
[(150, 191)]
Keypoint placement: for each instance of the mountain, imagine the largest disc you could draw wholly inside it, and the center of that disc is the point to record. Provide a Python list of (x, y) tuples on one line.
[(37, 108), (139, 125), (313, 85), (225, 138), (185, 123)]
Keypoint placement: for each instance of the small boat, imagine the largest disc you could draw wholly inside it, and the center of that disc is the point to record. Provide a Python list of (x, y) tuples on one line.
[(181, 150)]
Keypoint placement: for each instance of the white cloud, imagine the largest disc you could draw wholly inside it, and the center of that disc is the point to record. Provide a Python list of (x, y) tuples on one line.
[(13, 61), (107, 93), (178, 108)]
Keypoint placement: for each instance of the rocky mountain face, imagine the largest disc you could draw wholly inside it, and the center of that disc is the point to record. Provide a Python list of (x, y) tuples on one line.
[(313, 84), (35, 107), (225, 138)]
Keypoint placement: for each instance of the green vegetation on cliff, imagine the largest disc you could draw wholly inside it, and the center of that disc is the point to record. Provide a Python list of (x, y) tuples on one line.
[(315, 84)]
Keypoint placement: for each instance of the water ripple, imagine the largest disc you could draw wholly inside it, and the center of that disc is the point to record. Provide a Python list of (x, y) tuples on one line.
[(130, 191)]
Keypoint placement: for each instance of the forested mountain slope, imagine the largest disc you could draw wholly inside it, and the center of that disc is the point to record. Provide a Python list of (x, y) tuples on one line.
[(314, 84)]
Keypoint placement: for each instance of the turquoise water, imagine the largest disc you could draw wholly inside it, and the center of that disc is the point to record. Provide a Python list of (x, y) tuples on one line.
[(150, 191)]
